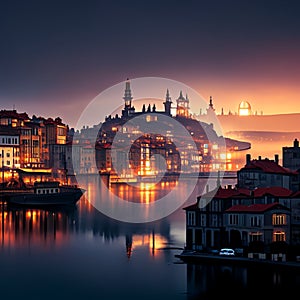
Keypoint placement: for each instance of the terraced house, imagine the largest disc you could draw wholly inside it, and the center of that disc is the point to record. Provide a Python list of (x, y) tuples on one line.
[(261, 218)]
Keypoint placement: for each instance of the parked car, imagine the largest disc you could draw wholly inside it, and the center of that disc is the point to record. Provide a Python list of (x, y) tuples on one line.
[(227, 252)]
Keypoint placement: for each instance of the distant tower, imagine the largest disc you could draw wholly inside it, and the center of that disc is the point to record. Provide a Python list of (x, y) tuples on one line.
[(211, 106), (210, 111), (182, 109), (127, 95), (128, 108), (168, 103)]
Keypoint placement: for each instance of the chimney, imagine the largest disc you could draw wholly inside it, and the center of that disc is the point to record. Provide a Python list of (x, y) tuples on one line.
[(259, 158), (277, 159), (248, 158), (296, 143)]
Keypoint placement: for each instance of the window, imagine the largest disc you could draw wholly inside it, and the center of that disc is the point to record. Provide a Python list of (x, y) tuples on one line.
[(233, 219), (191, 218), (203, 220), (255, 236), (279, 236), (255, 221), (279, 219)]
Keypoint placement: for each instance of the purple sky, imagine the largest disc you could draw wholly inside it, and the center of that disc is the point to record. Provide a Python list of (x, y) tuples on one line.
[(56, 56)]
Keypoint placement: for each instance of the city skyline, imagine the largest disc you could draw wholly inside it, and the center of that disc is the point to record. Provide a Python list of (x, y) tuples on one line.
[(57, 57)]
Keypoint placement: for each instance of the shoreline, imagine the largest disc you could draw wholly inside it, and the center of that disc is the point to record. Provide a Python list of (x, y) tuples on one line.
[(194, 257)]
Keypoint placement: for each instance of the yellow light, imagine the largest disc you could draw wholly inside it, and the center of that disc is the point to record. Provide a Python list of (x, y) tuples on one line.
[(244, 112)]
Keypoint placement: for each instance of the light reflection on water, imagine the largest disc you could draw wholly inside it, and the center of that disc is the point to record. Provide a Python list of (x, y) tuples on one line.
[(79, 253)]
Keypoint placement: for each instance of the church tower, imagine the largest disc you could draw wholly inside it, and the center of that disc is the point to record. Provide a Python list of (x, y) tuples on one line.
[(210, 110), (183, 107), (128, 108), (168, 103), (127, 95)]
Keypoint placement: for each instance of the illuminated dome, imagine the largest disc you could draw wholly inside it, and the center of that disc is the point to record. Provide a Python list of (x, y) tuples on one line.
[(244, 108)]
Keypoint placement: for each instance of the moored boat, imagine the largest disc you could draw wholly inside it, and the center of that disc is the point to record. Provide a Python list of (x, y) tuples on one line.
[(45, 193)]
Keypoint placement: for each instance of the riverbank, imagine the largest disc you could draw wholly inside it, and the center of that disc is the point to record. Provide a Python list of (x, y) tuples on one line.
[(196, 257)]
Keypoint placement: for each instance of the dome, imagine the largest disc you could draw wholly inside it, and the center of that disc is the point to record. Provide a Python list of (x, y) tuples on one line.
[(245, 105), (244, 108)]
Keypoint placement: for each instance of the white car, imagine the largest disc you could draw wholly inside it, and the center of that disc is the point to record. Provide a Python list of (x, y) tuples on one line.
[(227, 252)]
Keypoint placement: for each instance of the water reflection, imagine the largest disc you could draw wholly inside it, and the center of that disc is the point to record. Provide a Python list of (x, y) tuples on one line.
[(23, 227), (206, 281), (26, 227), (78, 252)]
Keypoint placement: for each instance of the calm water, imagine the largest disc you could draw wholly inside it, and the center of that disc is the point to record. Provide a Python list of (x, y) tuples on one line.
[(79, 253)]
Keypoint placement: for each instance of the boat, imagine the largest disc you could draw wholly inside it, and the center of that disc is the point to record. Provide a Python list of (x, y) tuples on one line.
[(45, 193)]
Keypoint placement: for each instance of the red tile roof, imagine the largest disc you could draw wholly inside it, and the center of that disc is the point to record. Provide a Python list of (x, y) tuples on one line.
[(267, 166), (222, 193), (276, 191), (13, 114), (255, 208)]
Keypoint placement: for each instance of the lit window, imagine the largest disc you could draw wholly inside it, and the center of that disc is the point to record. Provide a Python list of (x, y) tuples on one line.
[(255, 236), (279, 236), (279, 219)]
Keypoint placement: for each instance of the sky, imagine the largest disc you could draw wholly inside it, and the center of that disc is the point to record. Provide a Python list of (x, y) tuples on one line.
[(57, 56)]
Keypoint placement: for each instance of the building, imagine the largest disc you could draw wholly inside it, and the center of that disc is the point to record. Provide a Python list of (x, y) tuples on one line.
[(265, 173), (262, 217), (236, 218), (291, 156), (28, 144), (208, 152), (257, 225)]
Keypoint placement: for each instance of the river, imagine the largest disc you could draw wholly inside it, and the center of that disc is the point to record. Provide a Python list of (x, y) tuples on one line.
[(80, 253)]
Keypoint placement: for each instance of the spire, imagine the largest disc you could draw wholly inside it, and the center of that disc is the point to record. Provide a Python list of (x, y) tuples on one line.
[(210, 102), (127, 94), (180, 95), (186, 97), (168, 103), (168, 98)]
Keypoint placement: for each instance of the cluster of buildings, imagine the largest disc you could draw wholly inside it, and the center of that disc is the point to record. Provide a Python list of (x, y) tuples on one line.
[(208, 152), (31, 146), (260, 214)]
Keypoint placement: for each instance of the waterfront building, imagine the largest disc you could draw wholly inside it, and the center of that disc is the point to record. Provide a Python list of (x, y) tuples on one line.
[(32, 144), (9, 152), (264, 217), (265, 173)]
